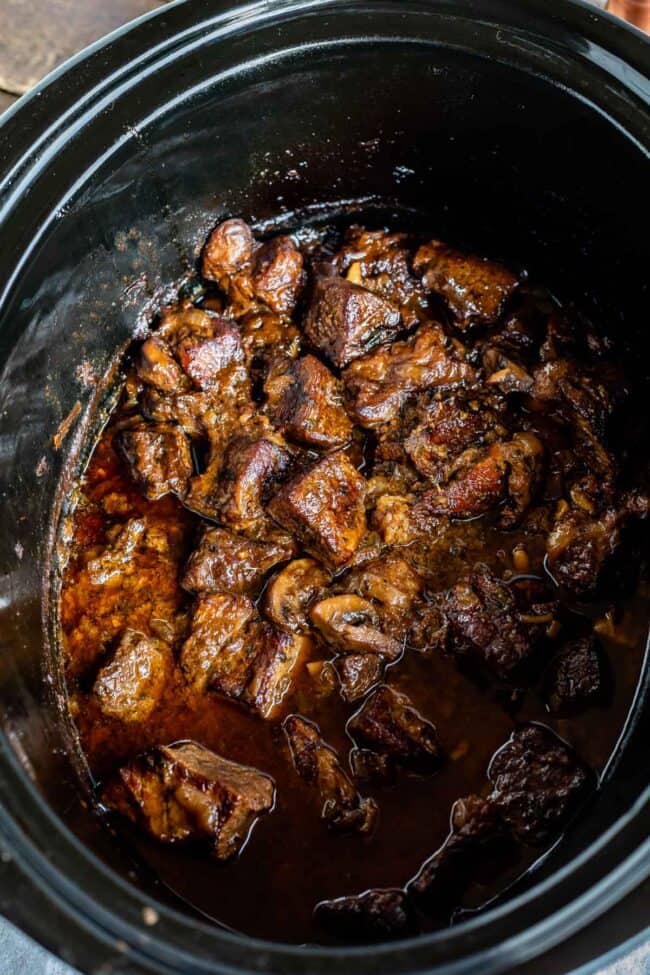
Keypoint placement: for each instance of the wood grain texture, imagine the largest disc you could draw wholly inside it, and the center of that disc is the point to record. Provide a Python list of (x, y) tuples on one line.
[(36, 35)]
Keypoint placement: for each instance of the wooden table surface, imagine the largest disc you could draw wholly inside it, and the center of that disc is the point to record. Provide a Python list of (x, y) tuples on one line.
[(36, 35)]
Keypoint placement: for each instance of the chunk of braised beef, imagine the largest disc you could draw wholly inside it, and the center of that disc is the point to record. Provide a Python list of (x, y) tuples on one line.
[(351, 624), (227, 249), (381, 262), (475, 485), (276, 274), (375, 915), (483, 622), (185, 793), (206, 345), (213, 654), (580, 546), (130, 685), (159, 458), (324, 508), (358, 673), (224, 560), (270, 273), (204, 358), (574, 678), (477, 833), (505, 474), (537, 782), (474, 288), (389, 724), (251, 471), (450, 425), (305, 401), (279, 657), (318, 764), (291, 590), (345, 321), (378, 386)]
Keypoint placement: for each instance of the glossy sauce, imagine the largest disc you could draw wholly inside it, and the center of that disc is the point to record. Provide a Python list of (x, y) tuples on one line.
[(291, 860)]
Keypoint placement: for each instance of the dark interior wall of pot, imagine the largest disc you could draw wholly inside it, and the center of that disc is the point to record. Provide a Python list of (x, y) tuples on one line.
[(482, 151)]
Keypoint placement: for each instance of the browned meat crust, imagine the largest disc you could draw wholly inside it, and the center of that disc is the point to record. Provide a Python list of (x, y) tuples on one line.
[(186, 793), (318, 765)]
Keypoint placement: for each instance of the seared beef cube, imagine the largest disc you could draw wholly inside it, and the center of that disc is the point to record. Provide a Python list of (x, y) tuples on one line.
[(227, 249), (227, 561), (159, 458), (388, 723), (448, 427), (381, 262), (304, 399), (483, 622), (217, 652), (474, 288), (358, 673), (130, 685), (374, 915), (324, 508), (351, 624), (477, 485), (505, 474), (250, 471), (537, 782), (477, 832), (275, 668), (380, 384), (207, 346), (573, 678), (204, 358), (157, 367), (185, 793), (276, 274), (290, 591), (318, 764), (580, 546), (345, 321)]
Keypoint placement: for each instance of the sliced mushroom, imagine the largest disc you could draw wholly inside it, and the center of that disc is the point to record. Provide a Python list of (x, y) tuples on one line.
[(290, 592), (351, 625)]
